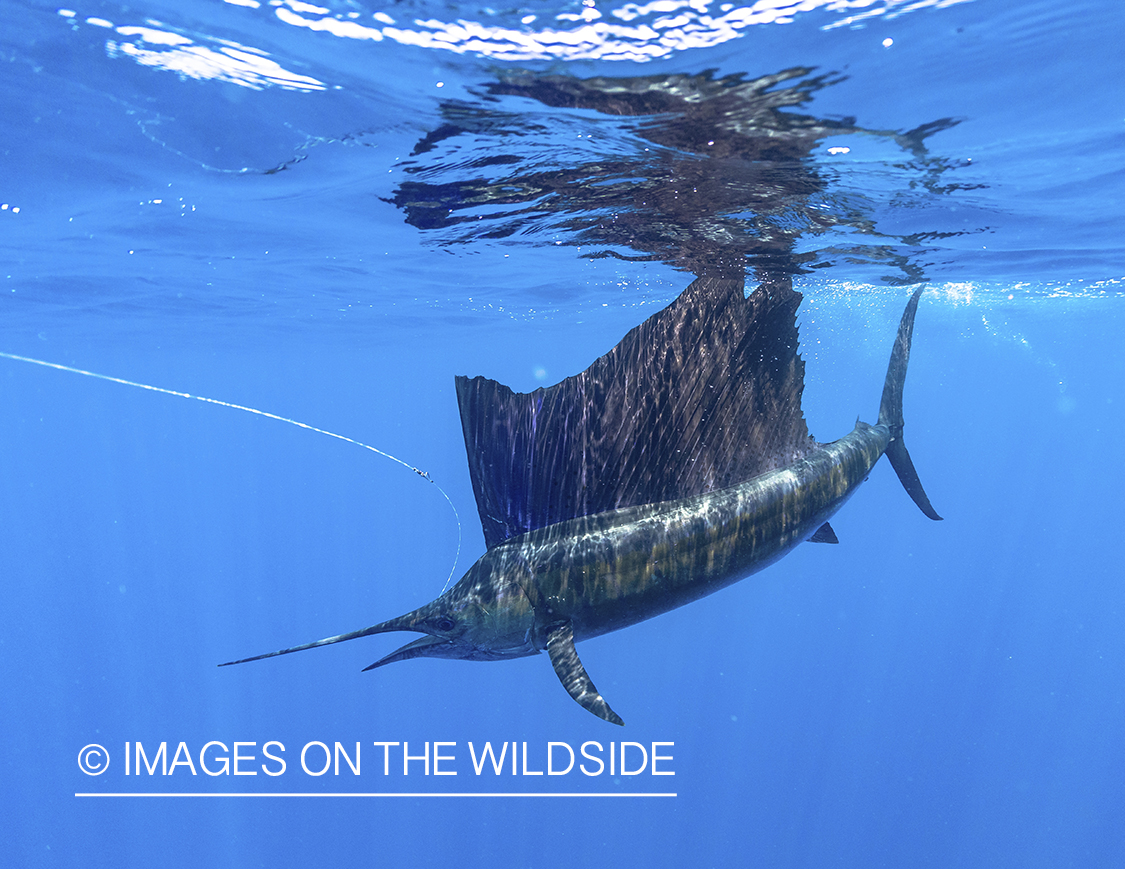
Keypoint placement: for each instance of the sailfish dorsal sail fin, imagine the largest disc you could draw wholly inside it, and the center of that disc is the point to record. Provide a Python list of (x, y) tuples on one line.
[(704, 394)]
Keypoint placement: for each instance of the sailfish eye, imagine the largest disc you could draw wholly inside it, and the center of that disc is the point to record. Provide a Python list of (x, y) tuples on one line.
[(444, 624)]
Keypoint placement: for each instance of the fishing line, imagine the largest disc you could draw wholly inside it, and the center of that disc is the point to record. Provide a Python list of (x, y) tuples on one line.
[(423, 474)]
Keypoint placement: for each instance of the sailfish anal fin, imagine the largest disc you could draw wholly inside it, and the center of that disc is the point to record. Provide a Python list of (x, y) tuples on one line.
[(568, 666), (824, 534)]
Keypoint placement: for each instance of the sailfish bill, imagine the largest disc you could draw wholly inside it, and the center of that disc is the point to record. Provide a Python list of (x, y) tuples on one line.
[(675, 465)]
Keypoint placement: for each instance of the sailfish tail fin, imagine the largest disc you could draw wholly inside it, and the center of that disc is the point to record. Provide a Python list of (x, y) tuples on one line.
[(890, 410)]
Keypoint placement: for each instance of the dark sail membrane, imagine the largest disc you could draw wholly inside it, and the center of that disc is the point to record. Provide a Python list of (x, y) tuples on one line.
[(704, 394)]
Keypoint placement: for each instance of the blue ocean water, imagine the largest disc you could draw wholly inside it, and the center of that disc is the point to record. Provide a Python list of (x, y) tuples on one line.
[(327, 211)]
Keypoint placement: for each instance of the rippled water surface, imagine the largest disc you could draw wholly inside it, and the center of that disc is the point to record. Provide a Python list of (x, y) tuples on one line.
[(326, 211)]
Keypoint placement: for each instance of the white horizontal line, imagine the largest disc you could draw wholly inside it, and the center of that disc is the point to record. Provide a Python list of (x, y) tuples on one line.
[(267, 794)]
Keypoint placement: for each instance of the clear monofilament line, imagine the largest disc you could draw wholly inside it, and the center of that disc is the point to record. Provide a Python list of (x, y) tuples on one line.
[(423, 474)]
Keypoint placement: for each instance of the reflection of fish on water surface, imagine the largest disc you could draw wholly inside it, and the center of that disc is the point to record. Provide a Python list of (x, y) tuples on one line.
[(675, 465), (679, 462)]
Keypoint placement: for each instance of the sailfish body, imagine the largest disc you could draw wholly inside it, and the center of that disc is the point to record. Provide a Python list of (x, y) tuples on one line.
[(677, 464)]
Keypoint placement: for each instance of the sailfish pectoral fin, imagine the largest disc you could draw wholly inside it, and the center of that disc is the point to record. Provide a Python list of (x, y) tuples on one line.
[(564, 658)]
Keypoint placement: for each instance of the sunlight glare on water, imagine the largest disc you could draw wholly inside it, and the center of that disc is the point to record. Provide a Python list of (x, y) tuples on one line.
[(328, 210)]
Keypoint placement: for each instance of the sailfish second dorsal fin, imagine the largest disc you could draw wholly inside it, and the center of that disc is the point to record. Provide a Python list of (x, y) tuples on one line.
[(704, 394)]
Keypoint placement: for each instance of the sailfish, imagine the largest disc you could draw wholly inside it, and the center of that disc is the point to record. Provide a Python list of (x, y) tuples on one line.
[(675, 465)]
